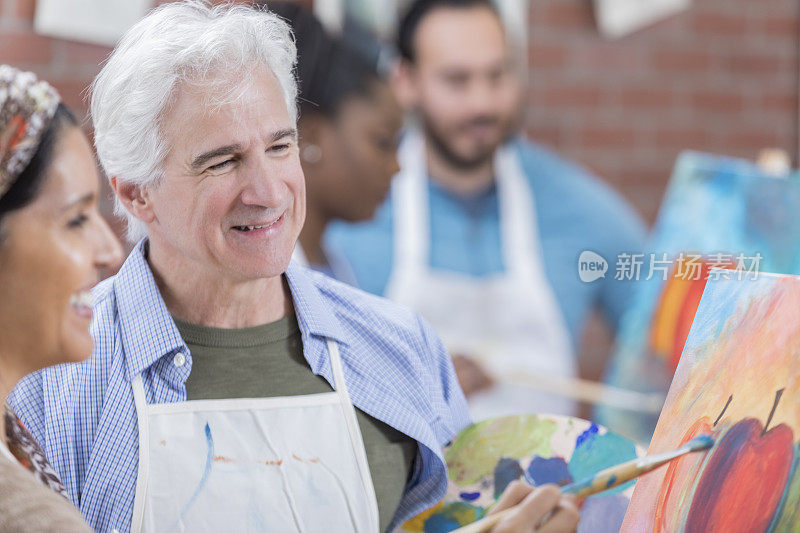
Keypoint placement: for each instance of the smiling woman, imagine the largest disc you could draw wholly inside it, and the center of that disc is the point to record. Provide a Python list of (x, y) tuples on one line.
[(52, 243)]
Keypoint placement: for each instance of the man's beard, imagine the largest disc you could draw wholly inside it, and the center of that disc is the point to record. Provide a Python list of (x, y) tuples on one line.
[(440, 143)]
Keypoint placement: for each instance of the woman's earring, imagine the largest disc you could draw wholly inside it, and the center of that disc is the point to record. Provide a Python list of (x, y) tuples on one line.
[(311, 153)]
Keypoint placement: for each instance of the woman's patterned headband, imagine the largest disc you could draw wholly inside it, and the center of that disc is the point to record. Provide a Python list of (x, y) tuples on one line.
[(27, 106)]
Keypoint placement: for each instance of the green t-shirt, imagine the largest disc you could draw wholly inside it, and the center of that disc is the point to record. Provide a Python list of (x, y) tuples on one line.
[(266, 361)]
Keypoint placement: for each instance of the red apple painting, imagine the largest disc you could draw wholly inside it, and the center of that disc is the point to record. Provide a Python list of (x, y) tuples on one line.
[(738, 380)]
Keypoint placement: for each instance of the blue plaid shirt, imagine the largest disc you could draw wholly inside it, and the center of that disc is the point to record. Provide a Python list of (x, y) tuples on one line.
[(84, 416)]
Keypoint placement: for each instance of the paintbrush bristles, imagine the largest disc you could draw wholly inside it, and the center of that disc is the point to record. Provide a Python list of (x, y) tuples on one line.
[(702, 442)]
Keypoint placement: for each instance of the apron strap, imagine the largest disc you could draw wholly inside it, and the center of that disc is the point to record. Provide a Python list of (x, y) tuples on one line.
[(519, 230), (137, 519), (354, 430)]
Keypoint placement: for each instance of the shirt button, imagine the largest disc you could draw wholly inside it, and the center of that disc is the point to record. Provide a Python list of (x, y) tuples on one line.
[(179, 359)]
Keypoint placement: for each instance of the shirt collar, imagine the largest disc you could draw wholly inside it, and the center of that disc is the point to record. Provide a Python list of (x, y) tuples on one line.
[(314, 316), (149, 333), (147, 329)]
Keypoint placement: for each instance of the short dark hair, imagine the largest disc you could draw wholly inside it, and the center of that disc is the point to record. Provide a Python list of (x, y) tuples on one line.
[(417, 13), (27, 185), (329, 70)]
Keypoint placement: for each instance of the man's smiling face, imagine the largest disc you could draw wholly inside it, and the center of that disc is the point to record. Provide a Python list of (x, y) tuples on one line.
[(232, 199)]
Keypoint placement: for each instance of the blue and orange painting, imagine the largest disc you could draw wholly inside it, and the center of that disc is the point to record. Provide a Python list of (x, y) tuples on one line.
[(738, 380), (717, 212), (485, 457)]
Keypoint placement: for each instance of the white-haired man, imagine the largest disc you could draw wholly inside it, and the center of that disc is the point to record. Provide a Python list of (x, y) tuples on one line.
[(227, 391)]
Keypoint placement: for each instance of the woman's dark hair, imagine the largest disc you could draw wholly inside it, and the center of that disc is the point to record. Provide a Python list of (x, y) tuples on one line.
[(27, 185), (328, 70)]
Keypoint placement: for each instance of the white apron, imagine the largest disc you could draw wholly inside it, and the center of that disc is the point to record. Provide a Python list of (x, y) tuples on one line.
[(284, 464), (508, 322)]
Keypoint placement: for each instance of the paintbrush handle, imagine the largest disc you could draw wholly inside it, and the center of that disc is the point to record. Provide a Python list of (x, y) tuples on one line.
[(603, 480), (622, 473), (610, 477)]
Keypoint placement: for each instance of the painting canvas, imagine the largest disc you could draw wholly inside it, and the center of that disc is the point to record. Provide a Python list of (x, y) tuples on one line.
[(717, 212), (485, 457), (738, 381)]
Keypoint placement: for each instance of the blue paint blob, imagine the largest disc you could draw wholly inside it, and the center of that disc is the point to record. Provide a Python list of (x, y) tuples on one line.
[(611, 480), (440, 524), (595, 452), (586, 435), (552, 470), (506, 471), (470, 496)]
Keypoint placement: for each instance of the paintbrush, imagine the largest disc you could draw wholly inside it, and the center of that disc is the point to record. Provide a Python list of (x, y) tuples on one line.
[(605, 479)]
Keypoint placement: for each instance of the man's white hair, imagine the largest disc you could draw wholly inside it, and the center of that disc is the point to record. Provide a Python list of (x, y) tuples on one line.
[(176, 43)]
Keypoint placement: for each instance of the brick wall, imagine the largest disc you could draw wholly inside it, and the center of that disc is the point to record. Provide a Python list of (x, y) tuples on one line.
[(721, 77)]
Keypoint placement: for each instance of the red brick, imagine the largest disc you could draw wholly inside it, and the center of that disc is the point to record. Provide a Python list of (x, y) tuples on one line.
[(582, 96), (749, 143), (718, 24), (647, 98), (25, 9), (753, 64), (600, 137), (84, 53), (682, 139), (607, 56), (782, 26), (546, 56), (646, 198), (552, 136), (74, 94), (681, 60), (724, 102), (567, 15), (643, 176), (25, 48), (786, 102)]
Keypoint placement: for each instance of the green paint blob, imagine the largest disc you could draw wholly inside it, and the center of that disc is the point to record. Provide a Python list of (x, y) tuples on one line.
[(476, 450), (462, 513)]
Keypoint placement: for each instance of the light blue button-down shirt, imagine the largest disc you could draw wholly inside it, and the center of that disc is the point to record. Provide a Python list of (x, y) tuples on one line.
[(575, 211), (84, 416)]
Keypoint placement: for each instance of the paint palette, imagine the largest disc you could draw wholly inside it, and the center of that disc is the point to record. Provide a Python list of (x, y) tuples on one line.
[(485, 457)]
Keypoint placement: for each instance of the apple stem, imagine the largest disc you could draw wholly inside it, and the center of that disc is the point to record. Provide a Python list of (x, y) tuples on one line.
[(778, 395), (730, 398)]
